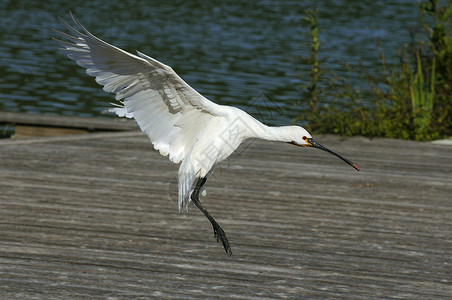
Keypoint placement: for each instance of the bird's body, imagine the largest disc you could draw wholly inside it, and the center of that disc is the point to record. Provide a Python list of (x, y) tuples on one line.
[(181, 123)]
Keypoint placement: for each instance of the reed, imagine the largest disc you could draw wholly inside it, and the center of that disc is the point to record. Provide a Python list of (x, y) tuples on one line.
[(410, 97)]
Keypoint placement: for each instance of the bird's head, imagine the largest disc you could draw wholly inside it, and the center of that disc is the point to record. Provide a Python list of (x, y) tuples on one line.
[(301, 137)]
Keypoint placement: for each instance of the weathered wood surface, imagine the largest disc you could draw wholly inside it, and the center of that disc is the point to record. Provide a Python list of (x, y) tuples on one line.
[(32, 125), (95, 216)]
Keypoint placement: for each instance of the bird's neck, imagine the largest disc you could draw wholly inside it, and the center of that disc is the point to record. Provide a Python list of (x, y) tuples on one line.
[(257, 129), (277, 134)]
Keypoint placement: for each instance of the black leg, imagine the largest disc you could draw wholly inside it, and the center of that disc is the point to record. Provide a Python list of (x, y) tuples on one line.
[(217, 230)]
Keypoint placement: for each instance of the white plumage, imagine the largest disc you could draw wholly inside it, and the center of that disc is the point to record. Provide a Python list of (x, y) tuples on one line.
[(165, 107), (180, 122)]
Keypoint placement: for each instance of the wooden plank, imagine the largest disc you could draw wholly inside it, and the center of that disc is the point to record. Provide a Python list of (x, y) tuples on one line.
[(32, 125), (95, 216), (27, 131)]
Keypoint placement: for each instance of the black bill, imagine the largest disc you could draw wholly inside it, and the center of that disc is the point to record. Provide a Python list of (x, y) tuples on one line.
[(314, 144)]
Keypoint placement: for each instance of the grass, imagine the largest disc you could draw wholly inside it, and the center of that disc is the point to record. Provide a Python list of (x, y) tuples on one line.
[(409, 98)]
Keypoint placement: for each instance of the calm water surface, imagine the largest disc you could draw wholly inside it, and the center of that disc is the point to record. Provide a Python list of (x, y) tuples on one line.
[(230, 51)]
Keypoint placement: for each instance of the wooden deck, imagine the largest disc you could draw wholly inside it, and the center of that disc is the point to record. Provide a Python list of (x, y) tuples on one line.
[(94, 216), (35, 125)]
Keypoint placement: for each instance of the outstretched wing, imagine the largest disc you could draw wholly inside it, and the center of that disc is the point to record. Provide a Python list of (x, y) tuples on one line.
[(165, 107)]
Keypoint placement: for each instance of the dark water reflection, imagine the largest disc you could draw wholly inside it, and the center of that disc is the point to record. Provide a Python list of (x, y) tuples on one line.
[(230, 51)]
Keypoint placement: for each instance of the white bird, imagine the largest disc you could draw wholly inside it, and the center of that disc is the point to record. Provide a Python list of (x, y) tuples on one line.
[(180, 122)]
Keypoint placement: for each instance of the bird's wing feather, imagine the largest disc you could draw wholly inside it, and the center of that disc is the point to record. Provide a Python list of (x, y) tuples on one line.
[(164, 106)]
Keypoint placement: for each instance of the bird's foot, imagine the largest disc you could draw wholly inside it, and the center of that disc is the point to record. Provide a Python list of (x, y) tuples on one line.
[(220, 235)]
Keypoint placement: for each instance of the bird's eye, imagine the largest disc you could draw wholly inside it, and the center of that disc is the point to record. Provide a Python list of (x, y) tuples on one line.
[(305, 138)]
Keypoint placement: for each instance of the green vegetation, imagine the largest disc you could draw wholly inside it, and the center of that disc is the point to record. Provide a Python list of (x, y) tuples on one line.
[(410, 98)]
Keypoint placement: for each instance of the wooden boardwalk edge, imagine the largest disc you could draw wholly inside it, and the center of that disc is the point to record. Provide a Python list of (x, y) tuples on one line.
[(35, 125)]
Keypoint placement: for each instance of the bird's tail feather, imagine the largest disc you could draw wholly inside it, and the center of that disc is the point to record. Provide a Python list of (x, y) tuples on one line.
[(188, 178)]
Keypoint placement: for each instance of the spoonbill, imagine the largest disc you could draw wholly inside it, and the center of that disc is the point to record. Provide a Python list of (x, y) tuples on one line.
[(180, 122)]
